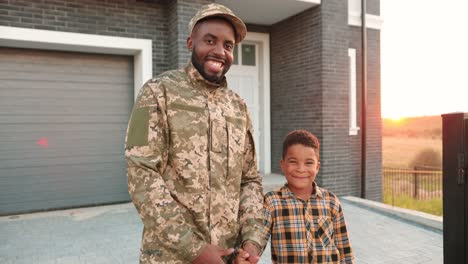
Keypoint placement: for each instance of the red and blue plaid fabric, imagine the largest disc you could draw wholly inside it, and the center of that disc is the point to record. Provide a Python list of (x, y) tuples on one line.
[(312, 231)]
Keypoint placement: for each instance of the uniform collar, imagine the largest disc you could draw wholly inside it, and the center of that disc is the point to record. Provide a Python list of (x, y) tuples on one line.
[(198, 81), (287, 193)]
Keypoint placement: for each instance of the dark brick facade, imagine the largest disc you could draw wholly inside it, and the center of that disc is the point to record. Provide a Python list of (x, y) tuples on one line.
[(296, 97), (310, 90), (164, 22), (309, 69)]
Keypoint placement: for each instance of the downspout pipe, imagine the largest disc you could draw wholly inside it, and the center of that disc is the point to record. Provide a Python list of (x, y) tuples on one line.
[(363, 99)]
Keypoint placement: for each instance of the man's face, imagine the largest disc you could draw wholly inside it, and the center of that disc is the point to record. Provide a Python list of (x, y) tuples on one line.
[(212, 44)]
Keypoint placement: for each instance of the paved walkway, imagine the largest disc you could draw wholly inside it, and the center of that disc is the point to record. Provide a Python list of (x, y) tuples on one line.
[(111, 234)]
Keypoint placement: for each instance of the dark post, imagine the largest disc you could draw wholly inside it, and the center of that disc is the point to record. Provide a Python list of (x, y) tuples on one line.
[(455, 193), (364, 98), (416, 185)]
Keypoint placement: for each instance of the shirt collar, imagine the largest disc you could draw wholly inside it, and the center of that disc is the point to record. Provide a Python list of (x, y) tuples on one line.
[(198, 81), (287, 193)]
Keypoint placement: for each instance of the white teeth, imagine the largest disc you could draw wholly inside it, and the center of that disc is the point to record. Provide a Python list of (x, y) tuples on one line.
[(215, 63)]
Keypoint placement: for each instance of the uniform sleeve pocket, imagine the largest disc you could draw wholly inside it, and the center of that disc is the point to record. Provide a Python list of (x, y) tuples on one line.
[(138, 128)]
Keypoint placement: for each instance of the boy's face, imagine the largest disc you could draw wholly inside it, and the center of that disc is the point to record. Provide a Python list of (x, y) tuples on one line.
[(300, 166)]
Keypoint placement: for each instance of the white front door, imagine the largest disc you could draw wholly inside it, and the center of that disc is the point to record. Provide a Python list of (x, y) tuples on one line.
[(243, 79), (249, 76)]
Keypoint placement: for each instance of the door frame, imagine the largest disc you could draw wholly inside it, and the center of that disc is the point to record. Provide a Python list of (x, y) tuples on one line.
[(264, 146)]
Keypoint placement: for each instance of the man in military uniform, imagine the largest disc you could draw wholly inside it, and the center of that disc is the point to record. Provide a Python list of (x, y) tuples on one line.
[(191, 164)]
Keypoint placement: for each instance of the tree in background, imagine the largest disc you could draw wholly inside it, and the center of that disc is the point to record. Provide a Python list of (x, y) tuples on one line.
[(427, 158)]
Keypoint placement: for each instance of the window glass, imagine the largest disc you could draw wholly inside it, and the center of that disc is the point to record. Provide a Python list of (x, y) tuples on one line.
[(248, 54)]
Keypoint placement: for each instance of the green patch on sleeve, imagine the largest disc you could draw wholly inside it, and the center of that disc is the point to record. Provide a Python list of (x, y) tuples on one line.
[(138, 129)]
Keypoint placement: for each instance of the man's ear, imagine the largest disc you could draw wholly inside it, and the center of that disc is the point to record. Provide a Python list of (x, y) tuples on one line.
[(189, 43)]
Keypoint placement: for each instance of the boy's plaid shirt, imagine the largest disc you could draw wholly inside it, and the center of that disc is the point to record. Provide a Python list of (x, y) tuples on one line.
[(312, 231)]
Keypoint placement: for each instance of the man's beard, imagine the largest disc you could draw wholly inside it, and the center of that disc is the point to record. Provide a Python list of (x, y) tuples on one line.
[(199, 67)]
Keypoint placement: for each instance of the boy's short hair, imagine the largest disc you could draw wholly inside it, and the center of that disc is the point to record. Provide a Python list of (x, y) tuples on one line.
[(302, 137)]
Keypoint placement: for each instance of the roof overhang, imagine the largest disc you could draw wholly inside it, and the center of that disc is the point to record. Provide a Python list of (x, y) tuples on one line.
[(267, 12)]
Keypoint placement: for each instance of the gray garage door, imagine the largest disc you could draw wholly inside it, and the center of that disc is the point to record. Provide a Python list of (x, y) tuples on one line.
[(63, 118)]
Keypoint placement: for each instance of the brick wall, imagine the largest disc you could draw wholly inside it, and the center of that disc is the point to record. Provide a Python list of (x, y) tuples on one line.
[(309, 89), (164, 22), (337, 162), (296, 96), (181, 11), (374, 124)]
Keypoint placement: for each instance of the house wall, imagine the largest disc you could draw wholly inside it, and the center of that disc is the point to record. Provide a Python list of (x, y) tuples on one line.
[(164, 22), (373, 7), (374, 123), (180, 12), (309, 69), (338, 167), (296, 96), (309, 90)]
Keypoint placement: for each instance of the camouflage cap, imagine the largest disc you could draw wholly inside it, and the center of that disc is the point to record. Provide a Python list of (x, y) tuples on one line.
[(217, 10)]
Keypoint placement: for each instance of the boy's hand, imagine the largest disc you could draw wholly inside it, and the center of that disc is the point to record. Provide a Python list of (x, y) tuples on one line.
[(212, 254), (252, 249), (241, 257)]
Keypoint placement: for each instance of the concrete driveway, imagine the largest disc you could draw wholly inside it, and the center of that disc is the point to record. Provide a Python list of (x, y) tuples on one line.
[(111, 234)]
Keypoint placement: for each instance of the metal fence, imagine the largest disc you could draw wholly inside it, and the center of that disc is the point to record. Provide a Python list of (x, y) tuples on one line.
[(419, 183)]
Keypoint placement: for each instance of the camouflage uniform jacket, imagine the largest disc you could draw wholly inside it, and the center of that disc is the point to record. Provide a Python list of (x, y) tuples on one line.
[(191, 167)]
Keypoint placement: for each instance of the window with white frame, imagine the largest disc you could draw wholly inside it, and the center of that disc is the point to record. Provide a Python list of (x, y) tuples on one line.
[(353, 128)]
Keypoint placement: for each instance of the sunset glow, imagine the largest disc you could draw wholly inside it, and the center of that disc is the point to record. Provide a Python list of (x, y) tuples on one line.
[(397, 119)]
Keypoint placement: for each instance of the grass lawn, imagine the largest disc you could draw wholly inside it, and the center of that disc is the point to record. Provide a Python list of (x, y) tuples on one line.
[(432, 206)]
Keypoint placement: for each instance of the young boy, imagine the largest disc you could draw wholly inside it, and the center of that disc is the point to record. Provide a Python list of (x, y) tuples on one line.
[(306, 222)]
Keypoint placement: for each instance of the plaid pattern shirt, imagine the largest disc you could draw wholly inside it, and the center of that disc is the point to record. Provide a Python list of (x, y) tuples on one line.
[(312, 231)]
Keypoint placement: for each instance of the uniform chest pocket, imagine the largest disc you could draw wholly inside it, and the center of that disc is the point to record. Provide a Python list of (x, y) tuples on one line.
[(236, 144), (219, 136)]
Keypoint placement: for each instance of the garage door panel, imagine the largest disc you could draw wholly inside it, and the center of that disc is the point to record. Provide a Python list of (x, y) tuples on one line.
[(24, 142), (57, 68), (64, 155), (60, 176), (55, 100), (63, 118), (58, 119), (72, 159), (62, 77), (31, 93), (63, 186), (68, 87), (73, 60), (76, 130), (63, 109)]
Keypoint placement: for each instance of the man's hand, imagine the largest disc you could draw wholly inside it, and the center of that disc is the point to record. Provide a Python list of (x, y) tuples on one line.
[(242, 257), (212, 254), (252, 249)]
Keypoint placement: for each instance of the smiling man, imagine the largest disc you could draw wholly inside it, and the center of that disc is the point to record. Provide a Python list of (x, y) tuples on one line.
[(191, 164)]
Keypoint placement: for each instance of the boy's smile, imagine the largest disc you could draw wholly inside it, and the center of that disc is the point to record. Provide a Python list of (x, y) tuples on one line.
[(300, 166)]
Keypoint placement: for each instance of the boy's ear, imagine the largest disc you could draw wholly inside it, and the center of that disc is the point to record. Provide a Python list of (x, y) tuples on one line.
[(281, 165), (318, 166)]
